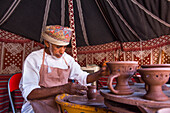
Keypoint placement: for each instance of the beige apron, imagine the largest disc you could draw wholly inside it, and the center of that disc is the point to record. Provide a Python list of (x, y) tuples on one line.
[(49, 78)]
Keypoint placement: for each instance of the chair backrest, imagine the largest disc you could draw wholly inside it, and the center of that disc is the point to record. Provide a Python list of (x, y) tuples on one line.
[(13, 84)]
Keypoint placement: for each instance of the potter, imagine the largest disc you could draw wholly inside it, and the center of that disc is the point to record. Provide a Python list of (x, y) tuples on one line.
[(122, 71)]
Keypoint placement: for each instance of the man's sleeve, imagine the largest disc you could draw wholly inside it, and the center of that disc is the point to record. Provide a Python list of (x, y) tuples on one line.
[(78, 74), (30, 77)]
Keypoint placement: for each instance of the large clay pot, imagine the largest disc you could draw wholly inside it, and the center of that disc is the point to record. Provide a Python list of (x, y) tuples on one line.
[(155, 78), (156, 66), (122, 71), (164, 87)]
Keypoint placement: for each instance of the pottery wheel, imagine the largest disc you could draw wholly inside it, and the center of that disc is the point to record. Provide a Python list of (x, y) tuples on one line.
[(136, 98), (83, 100)]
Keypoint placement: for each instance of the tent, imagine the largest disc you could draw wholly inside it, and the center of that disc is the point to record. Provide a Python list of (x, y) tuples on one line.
[(96, 21), (105, 30)]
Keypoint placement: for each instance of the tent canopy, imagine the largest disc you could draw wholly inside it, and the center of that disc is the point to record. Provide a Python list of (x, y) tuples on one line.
[(96, 21)]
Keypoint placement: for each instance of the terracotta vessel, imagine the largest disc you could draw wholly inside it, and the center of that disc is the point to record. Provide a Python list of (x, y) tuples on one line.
[(122, 71), (156, 66), (91, 92), (155, 78), (164, 87)]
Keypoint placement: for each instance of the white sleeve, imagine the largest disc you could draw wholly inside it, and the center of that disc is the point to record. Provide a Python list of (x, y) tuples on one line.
[(77, 73), (30, 76)]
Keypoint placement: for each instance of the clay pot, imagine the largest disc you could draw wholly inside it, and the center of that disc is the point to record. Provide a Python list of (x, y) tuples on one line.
[(91, 92), (156, 66), (164, 87), (155, 78), (122, 71)]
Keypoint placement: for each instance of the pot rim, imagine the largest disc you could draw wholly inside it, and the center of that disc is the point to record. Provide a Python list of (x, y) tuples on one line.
[(122, 62), (154, 69), (155, 65)]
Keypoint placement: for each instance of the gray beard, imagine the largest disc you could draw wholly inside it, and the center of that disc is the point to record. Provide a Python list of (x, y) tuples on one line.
[(52, 55)]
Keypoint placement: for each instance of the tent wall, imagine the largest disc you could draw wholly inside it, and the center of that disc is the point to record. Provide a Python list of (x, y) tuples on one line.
[(14, 49), (154, 51)]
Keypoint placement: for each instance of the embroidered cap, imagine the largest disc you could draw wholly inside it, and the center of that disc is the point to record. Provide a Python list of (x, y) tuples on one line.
[(57, 34)]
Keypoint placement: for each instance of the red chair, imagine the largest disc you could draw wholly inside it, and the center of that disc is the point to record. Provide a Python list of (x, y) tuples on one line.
[(13, 84)]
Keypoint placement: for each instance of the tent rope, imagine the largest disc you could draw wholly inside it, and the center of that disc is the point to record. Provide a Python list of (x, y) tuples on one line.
[(82, 22), (121, 17), (47, 7), (62, 12), (151, 14), (106, 19), (9, 11)]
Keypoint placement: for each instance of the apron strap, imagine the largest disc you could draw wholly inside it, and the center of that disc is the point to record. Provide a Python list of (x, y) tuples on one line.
[(65, 61), (43, 56)]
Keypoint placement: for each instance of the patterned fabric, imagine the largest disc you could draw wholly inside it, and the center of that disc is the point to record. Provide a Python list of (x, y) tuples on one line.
[(165, 56), (4, 98), (130, 51), (13, 51), (18, 99), (58, 35)]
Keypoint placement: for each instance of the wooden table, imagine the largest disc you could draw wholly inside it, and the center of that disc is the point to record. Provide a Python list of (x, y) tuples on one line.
[(135, 101)]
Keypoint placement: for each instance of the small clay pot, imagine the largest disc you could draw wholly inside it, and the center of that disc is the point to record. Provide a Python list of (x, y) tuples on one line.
[(91, 92)]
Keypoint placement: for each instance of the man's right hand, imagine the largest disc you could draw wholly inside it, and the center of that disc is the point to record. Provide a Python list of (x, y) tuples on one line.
[(75, 89)]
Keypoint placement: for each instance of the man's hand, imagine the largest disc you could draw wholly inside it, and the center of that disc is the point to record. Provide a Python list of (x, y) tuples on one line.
[(105, 70), (75, 89)]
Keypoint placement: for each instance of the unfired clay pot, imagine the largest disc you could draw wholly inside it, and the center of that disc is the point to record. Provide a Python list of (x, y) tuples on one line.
[(91, 92), (122, 71), (155, 78), (164, 87)]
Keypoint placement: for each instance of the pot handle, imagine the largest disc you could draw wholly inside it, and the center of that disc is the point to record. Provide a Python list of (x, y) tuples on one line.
[(110, 81)]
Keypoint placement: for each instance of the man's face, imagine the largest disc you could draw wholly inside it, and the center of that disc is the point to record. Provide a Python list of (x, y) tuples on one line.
[(57, 50)]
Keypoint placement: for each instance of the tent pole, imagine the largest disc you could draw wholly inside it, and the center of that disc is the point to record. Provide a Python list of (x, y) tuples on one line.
[(72, 26)]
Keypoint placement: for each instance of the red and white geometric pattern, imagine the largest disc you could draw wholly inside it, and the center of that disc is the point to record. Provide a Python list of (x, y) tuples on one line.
[(166, 49), (13, 51), (72, 25), (131, 52), (165, 54), (109, 56), (155, 55), (128, 56)]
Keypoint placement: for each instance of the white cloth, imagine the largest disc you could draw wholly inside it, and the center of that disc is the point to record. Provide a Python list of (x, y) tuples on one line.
[(31, 68)]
